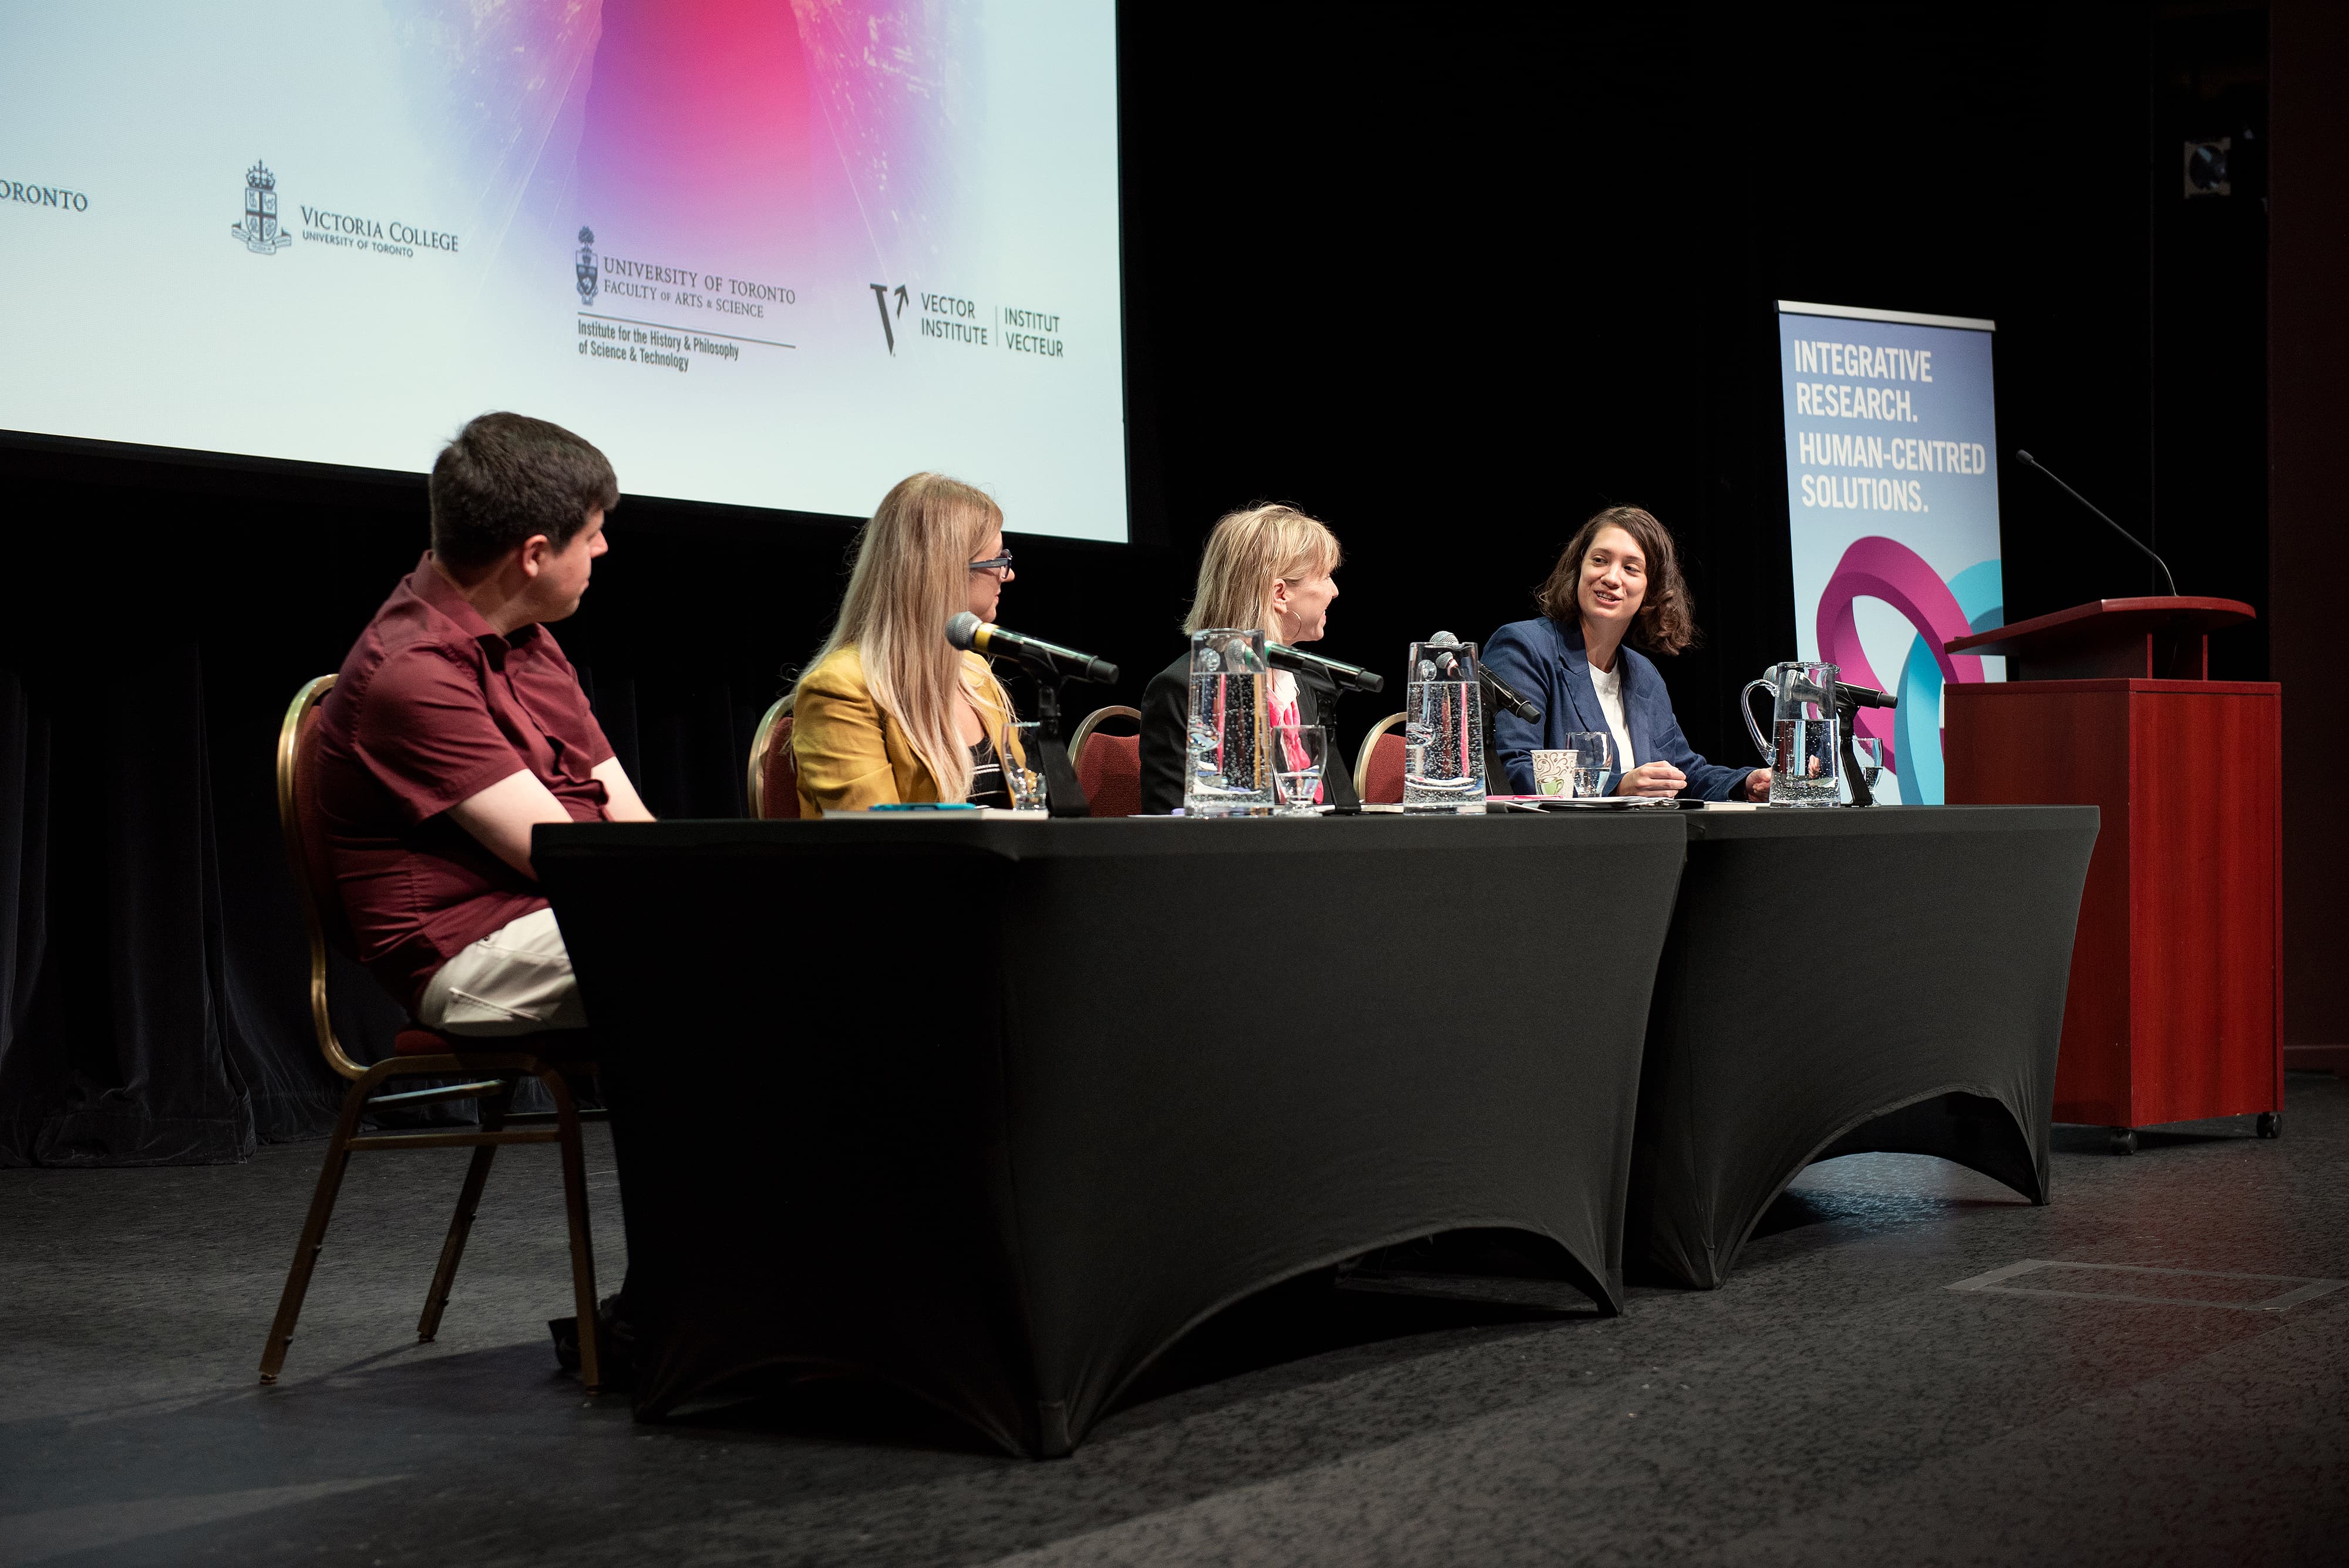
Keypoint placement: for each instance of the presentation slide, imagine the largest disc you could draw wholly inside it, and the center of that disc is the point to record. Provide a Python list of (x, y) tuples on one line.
[(767, 252), (1892, 495)]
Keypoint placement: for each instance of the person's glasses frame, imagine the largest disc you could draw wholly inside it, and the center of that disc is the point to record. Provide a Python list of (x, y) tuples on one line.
[(998, 563)]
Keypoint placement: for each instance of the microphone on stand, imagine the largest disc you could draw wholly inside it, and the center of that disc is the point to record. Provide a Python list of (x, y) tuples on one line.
[(1848, 701), (1524, 708), (1863, 697), (2028, 460), (1050, 664), (1347, 676), (1505, 694), (966, 630)]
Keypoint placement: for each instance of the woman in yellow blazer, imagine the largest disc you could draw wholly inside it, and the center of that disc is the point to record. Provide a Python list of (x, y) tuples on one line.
[(890, 710)]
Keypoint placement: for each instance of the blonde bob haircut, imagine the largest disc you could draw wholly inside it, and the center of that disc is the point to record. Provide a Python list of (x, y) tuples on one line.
[(1247, 554), (912, 575)]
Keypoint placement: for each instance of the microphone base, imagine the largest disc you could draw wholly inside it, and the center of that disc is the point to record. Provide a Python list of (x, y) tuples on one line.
[(1063, 795), (1861, 796)]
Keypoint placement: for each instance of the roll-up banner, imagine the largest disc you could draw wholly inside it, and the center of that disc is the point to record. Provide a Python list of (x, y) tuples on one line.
[(1892, 500)]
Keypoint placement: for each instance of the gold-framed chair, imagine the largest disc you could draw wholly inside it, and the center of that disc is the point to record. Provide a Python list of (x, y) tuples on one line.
[(774, 781), (491, 1073), (1378, 763), (1111, 778)]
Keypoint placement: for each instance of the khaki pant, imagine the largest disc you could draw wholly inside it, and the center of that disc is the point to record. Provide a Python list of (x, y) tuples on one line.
[(515, 980)]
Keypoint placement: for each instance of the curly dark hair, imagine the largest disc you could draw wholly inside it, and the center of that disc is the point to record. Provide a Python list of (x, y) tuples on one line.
[(1667, 620)]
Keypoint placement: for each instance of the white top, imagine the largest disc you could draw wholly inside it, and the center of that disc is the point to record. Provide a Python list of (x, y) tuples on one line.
[(1609, 686)]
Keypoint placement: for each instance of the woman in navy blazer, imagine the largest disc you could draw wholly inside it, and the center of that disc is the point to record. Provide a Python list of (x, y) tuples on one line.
[(1618, 583)]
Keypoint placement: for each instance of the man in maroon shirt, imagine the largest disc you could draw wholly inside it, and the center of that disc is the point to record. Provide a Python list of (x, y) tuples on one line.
[(457, 724)]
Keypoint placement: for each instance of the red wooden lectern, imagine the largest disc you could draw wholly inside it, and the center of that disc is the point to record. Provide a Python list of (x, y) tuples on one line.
[(2175, 1006)]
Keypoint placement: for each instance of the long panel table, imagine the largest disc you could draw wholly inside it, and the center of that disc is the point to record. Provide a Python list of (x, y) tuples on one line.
[(997, 1110), (1842, 982)]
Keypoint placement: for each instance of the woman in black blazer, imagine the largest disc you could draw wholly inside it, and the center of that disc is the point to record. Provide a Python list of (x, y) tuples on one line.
[(1269, 567)]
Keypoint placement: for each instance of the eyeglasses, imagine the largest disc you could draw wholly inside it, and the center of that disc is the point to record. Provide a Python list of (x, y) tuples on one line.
[(1000, 563)]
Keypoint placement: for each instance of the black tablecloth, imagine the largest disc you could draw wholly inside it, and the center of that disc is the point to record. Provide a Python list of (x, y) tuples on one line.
[(1840, 981), (997, 1110)]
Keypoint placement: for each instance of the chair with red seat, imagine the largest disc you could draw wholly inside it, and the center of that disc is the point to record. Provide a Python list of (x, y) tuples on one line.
[(1109, 767), (1377, 764), (491, 1071), (774, 781)]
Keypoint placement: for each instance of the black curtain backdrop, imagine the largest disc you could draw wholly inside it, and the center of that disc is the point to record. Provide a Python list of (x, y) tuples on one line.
[(1450, 285)]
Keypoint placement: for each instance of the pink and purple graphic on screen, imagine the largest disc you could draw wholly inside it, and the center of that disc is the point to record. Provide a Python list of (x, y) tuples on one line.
[(773, 137), (698, 125)]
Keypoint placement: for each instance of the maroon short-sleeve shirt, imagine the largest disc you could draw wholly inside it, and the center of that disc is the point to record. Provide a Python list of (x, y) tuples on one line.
[(432, 707)]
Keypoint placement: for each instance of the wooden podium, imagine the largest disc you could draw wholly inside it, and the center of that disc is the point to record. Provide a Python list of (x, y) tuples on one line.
[(2176, 1005)]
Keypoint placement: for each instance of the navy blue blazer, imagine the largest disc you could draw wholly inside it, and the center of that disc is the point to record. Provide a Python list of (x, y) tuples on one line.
[(1546, 663)]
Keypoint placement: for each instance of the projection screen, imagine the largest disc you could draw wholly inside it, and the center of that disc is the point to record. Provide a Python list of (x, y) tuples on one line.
[(771, 253)]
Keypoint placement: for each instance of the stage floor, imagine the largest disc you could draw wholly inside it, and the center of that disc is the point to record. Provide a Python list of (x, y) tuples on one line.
[(1835, 1402)]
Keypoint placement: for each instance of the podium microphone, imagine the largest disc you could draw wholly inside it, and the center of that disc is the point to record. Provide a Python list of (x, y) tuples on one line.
[(1347, 676), (1505, 694), (966, 630), (2028, 460)]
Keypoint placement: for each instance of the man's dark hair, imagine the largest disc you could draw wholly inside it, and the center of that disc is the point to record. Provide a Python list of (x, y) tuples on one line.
[(506, 477)]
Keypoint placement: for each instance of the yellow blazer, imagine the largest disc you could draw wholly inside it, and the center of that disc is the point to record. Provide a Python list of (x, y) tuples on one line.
[(852, 755)]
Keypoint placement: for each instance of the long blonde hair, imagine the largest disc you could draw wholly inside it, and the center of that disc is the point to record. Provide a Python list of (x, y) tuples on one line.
[(912, 575), (1247, 554)]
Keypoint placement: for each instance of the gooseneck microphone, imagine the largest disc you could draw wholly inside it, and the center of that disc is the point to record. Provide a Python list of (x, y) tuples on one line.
[(1505, 694), (1847, 696), (1347, 676), (2028, 460), (967, 631), (1524, 708)]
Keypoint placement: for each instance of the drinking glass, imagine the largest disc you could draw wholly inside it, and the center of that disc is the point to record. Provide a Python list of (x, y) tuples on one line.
[(1594, 755), (1025, 782), (1867, 751), (1298, 751), (1553, 773)]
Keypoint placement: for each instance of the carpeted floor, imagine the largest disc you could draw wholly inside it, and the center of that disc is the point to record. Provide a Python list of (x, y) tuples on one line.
[(1835, 1403)]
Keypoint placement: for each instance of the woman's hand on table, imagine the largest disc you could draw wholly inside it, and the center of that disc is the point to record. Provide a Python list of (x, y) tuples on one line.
[(1653, 779)]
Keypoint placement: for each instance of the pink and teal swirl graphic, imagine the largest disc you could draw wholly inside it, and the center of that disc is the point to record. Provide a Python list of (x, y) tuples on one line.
[(1885, 569)]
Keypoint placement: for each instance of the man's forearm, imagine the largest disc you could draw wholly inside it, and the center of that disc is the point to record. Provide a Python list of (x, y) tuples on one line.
[(620, 796), (502, 816)]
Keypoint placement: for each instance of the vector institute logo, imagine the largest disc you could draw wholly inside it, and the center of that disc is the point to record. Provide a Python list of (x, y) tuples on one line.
[(881, 298), (260, 230)]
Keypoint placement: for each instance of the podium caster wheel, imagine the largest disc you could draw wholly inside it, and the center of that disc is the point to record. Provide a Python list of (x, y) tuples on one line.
[(2270, 1123), (2123, 1140)]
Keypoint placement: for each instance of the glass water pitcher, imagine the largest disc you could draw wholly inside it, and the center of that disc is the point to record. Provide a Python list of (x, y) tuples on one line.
[(1801, 750), (1444, 730), (1228, 759)]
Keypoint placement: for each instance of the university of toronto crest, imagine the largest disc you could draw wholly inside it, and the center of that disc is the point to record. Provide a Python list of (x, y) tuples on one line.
[(585, 269)]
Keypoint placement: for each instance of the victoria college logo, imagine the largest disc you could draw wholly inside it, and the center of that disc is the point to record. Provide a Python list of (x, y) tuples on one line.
[(259, 231), (583, 271)]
